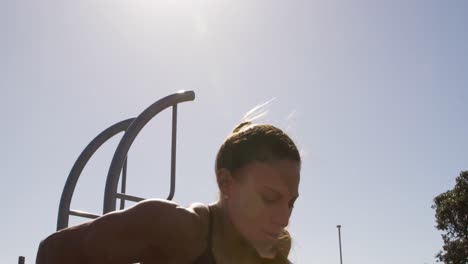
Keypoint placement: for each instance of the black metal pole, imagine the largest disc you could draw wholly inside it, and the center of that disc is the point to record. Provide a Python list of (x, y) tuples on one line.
[(173, 152), (21, 260), (123, 186), (339, 238)]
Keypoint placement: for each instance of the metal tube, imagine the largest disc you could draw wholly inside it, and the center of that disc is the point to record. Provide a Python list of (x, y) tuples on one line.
[(129, 197), (339, 237), (123, 186), (83, 214), (173, 152)]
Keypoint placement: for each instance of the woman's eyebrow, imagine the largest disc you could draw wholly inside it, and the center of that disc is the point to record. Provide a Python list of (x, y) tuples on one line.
[(294, 197)]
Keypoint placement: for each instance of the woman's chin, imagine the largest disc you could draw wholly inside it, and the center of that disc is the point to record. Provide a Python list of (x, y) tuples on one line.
[(266, 252), (265, 247)]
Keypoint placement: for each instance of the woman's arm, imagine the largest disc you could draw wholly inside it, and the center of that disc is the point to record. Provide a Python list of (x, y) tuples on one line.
[(152, 230), (62, 247)]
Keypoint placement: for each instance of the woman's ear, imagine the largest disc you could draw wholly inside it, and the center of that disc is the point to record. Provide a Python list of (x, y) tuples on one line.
[(225, 180)]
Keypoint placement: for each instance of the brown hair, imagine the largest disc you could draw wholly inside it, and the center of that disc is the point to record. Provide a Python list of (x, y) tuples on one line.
[(248, 143)]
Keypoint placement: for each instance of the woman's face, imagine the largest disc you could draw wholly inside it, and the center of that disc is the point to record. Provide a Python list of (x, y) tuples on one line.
[(261, 199)]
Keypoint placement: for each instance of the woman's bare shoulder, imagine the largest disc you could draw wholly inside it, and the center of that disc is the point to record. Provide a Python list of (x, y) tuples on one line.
[(161, 218), (148, 229), (163, 228), (197, 213)]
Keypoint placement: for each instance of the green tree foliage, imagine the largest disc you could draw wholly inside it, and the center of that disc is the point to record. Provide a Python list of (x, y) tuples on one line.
[(451, 212)]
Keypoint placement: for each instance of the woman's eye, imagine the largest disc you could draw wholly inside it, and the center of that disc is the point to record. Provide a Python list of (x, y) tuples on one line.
[(268, 200)]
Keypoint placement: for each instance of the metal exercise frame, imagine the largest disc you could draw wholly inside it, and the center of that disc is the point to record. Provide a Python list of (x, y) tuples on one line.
[(65, 201), (131, 128)]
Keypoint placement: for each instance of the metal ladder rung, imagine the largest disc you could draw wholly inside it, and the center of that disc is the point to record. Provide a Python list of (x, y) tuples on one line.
[(127, 197), (83, 214)]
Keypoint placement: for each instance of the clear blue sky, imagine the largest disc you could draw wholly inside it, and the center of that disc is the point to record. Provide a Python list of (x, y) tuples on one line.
[(374, 92)]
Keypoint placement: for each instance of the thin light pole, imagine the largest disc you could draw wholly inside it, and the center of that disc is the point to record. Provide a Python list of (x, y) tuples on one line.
[(339, 238)]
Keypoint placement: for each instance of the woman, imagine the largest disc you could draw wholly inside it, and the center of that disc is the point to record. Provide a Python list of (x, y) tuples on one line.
[(257, 171)]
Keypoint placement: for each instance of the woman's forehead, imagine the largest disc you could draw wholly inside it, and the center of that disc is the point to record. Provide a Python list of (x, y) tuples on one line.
[(281, 176)]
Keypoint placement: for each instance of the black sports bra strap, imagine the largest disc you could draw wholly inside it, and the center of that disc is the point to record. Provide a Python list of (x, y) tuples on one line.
[(207, 256)]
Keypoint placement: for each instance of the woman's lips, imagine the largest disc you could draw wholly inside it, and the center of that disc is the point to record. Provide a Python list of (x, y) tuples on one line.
[(272, 235)]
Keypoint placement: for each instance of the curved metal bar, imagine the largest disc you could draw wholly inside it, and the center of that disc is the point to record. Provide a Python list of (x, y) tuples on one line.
[(110, 192), (80, 163)]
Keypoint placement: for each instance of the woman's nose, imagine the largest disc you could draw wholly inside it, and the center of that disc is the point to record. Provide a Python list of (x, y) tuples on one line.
[(281, 216)]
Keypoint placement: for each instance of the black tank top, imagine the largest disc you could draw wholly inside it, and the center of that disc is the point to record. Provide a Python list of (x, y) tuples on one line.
[(208, 258)]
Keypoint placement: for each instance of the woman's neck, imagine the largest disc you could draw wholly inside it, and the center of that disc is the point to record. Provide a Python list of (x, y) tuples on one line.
[(231, 241)]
